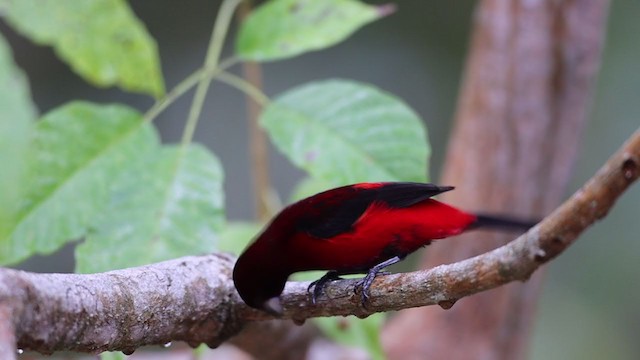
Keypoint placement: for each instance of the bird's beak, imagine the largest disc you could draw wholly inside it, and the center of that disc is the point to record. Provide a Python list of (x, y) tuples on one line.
[(273, 306)]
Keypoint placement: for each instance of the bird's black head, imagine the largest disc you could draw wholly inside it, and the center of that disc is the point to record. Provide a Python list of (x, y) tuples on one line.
[(259, 285)]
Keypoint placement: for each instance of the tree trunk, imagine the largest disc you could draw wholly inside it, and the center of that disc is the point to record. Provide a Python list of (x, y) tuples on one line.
[(523, 105)]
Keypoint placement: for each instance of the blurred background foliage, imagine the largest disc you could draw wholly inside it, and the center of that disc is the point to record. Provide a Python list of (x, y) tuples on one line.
[(589, 306)]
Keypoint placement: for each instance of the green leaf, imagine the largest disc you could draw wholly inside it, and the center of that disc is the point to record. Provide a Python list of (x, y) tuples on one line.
[(346, 132), (102, 40), (78, 149), (235, 236), (17, 114), (170, 206), (113, 355), (351, 331), (285, 28)]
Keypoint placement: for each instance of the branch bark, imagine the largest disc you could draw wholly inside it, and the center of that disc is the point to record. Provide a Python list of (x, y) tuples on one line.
[(193, 299), (187, 299)]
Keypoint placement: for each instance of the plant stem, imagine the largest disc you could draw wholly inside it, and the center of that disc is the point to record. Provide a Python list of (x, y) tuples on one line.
[(243, 85), (220, 29), (184, 86), (174, 94)]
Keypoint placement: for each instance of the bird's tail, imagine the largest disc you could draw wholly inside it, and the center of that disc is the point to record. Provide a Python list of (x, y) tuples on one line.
[(502, 222)]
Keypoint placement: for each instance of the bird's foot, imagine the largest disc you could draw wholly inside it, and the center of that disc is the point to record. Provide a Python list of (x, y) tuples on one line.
[(367, 280), (365, 283), (318, 285)]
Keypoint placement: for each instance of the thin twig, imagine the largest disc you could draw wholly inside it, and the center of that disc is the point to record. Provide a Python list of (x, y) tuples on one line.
[(185, 85), (253, 92)]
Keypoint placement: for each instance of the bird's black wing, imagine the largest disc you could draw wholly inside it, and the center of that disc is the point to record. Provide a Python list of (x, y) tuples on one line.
[(336, 211), (403, 194)]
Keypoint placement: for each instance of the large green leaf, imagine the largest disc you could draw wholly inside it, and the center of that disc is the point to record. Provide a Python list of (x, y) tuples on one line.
[(102, 40), (113, 355), (286, 28), (78, 150), (169, 206), (17, 114), (345, 132)]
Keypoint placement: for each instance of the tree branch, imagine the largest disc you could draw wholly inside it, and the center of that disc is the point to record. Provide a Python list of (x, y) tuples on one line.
[(192, 299), (187, 299)]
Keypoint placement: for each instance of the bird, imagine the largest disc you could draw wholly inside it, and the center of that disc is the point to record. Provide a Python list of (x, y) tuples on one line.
[(354, 229)]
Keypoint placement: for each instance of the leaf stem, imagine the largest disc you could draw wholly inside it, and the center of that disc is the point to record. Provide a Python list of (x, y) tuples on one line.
[(243, 85), (220, 29)]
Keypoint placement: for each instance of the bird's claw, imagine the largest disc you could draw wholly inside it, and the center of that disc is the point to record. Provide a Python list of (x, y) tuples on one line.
[(318, 285), (365, 283)]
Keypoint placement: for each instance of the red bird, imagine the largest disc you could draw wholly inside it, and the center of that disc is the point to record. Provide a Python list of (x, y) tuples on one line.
[(354, 229)]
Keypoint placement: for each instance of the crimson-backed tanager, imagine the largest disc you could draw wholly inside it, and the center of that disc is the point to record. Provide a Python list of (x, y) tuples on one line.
[(354, 229)]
